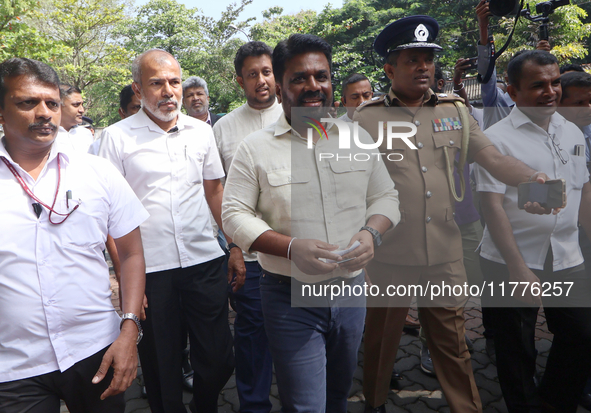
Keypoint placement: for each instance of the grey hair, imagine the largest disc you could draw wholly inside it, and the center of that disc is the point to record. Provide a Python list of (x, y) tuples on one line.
[(195, 81), (136, 66)]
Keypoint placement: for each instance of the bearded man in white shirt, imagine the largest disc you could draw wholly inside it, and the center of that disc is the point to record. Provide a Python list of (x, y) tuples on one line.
[(254, 71), (171, 162), (540, 253), (59, 331)]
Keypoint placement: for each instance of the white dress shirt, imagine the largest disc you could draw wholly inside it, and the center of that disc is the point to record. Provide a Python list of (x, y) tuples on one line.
[(231, 129), (277, 183), (55, 293), (166, 171), (79, 138), (518, 136)]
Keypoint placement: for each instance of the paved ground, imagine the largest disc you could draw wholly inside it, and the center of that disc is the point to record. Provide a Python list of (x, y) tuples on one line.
[(416, 393)]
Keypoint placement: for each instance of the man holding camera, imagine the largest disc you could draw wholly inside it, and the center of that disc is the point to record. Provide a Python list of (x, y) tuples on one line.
[(539, 253)]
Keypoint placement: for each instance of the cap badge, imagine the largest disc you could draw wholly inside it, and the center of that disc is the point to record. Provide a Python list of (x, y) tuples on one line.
[(421, 33)]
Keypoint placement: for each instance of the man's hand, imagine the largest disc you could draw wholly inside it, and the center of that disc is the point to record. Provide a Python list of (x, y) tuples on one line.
[(523, 292), (534, 207), (305, 254), (363, 253), (236, 269), (544, 45), (122, 355), (483, 13), (459, 70), (144, 306)]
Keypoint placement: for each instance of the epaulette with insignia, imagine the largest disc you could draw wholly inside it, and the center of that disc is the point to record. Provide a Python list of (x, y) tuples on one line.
[(383, 100), (444, 97)]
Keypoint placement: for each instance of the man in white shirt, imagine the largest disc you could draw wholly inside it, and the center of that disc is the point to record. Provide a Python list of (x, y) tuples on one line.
[(171, 162), (254, 73), (538, 250), (355, 89), (59, 331), (294, 208), (80, 138)]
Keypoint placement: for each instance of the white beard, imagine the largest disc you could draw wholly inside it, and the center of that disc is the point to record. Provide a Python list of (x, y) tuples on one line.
[(164, 116)]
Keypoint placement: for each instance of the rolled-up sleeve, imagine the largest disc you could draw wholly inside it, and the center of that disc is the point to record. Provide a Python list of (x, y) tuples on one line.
[(239, 204)]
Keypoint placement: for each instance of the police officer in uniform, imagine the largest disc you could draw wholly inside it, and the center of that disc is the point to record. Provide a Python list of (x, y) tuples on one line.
[(426, 246)]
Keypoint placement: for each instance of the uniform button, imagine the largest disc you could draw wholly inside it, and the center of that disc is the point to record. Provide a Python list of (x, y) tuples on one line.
[(417, 123), (420, 145), (424, 169), (451, 142), (428, 219), (42, 263), (352, 167), (429, 194), (289, 179)]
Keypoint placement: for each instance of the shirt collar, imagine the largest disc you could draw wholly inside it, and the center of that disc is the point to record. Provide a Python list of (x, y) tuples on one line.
[(429, 99), (282, 127), (142, 120), (518, 118), (58, 146), (252, 110), (208, 121)]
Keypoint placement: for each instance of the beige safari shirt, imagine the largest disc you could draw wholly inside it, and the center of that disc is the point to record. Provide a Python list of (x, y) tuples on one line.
[(427, 233), (277, 183)]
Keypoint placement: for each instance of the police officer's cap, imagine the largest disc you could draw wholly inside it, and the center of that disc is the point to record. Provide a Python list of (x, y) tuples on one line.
[(407, 33)]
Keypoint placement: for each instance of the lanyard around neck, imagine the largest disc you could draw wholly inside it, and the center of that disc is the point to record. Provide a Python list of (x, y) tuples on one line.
[(26, 188)]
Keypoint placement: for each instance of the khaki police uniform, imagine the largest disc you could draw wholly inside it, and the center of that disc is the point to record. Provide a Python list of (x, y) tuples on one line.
[(425, 247)]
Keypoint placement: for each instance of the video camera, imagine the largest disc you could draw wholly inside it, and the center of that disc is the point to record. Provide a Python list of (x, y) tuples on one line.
[(544, 9)]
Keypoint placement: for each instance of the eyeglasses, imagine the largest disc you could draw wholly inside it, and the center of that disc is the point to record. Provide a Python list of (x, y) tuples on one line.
[(559, 151)]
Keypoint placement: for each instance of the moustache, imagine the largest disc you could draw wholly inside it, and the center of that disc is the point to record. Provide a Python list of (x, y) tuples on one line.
[(311, 95), (167, 101), (46, 124)]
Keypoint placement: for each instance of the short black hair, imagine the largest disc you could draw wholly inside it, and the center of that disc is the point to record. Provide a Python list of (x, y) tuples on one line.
[(18, 66), (392, 58), (539, 57), (352, 78), (574, 79), (250, 49), (125, 97), (438, 72), (295, 45), (66, 90), (571, 67)]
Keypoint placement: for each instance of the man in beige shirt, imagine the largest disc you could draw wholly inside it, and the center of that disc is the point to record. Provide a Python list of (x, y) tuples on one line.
[(295, 200)]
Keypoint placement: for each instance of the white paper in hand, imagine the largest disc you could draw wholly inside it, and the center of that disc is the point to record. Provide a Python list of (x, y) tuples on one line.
[(344, 252)]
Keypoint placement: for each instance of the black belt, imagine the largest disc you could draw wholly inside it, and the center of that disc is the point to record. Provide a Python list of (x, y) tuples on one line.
[(287, 280)]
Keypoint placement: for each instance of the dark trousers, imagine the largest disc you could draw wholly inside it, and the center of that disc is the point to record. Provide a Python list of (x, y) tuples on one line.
[(569, 360), (200, 294), (254, 367), (42, 394)]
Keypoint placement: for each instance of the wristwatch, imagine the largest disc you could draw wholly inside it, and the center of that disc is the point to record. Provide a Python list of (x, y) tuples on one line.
[(377, 237), (133, 317), (232, 245)]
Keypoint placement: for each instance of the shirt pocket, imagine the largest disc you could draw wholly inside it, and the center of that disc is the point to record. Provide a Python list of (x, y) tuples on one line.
[(578, 173), (397, 157), (451, 140), (350, 183), (86, 228), (280, 185), (195, 168)]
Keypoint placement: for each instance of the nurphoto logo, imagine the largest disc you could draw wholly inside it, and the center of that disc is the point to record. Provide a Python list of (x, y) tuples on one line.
[(346, 129)]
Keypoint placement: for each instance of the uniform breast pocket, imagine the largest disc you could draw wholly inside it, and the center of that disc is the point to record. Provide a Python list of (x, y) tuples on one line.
[(281, 184), (350, 181), (195, 168), (397, 157), (450, 140)]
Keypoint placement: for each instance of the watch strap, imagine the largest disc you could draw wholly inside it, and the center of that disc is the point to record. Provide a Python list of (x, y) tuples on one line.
[(377, 237), (136, 320), (232, 245)]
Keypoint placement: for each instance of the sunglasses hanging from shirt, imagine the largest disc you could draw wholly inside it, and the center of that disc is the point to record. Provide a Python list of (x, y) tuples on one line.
[(38, 203)]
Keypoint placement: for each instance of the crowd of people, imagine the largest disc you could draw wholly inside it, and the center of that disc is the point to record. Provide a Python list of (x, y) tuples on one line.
[(255, 207)]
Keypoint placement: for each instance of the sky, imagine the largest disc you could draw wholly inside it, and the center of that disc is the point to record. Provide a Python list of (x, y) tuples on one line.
[(214, 8)]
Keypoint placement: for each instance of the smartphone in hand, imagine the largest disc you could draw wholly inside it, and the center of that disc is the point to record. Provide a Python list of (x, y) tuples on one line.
[(551, 194)]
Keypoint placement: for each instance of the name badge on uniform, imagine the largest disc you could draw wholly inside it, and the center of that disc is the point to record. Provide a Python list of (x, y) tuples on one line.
[(447, 124)]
